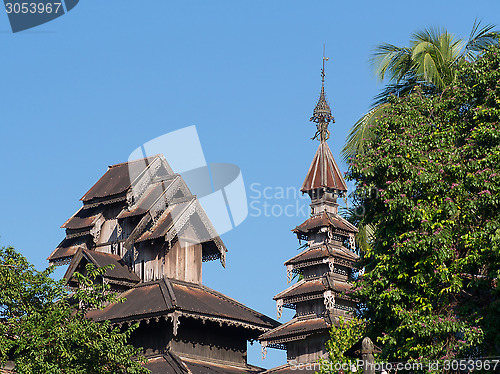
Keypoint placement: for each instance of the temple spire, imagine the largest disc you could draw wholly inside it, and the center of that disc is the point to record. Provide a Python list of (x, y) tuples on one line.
[(322, 115)]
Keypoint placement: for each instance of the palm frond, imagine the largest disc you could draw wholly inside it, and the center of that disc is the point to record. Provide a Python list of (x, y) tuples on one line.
[(365, 236), (404, 88), (360, 132), (436, 58), (392, 60), (429, 35), (432, 61), (480, 39)]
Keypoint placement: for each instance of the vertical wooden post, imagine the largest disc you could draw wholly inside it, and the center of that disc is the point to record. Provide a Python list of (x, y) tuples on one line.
[(367, 355)]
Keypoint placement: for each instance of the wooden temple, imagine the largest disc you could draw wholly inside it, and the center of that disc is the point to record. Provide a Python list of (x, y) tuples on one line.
[(142, 218), (324, 267)]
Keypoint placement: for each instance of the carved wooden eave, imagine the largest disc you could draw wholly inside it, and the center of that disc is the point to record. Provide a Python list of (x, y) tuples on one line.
[(224, 321), (174, 299), (321, 253), (326, 287), (64, 252), (174, 317), (315, 284), (337, 223), (298, 328)]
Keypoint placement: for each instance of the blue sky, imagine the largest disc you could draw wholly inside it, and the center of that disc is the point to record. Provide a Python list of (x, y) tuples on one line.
[(83, 91)]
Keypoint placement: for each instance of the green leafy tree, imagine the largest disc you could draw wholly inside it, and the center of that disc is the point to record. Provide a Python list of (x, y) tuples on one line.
[(432, 62), (342, 337), (44, 331), (431, 283)]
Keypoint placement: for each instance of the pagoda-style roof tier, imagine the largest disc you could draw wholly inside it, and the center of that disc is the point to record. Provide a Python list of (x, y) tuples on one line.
[(313, 288), (317, 254), (298, 328), (120, 177), (169, 298), (118, 274), (143, 193), (65, 251), (324, 172), (171, 363), (82, 219), (326, 219)]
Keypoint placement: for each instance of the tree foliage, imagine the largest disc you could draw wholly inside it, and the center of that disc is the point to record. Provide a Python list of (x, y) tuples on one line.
[(431, 285), (44, 331), (342, 337)]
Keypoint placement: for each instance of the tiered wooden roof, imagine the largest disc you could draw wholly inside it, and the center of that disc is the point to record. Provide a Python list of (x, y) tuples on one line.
[(146, 190), (141, 218)]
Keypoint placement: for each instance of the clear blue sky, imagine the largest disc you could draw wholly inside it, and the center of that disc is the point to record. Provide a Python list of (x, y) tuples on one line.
[(83, 91)]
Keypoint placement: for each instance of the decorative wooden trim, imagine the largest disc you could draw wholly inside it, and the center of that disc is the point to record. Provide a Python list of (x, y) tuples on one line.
[(263, 347), (279, 307), (104, 201), (289, 274), (175, 321), (329, 299)]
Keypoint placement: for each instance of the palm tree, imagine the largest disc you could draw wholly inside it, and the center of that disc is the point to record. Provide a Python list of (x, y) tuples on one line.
[(432, 62)]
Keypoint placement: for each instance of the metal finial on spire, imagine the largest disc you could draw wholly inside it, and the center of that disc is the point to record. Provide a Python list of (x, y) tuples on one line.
[(323, 70), (322, 115)]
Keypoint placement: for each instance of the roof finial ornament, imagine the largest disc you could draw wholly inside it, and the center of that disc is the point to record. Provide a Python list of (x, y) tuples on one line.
[(322, 115), (323, 70)]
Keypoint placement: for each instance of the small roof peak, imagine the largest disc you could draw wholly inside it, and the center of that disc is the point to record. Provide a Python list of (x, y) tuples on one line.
[(322, 114), (324, 172)]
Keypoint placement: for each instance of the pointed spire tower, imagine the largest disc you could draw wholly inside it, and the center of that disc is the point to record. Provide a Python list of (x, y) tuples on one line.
[(324, 265)]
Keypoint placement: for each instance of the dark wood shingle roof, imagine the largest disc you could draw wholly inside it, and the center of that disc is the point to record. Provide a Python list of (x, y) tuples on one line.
[(166, 295)]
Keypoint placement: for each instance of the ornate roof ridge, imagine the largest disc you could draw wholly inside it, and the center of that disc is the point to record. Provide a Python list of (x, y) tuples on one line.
[(152, 157)]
